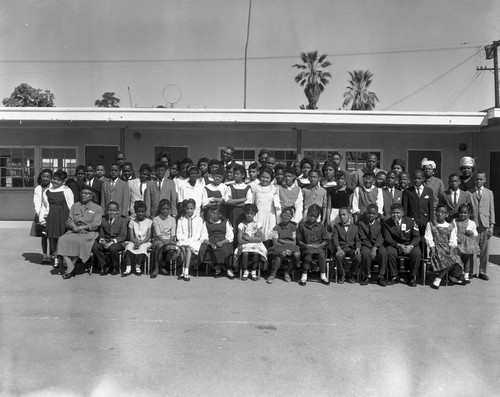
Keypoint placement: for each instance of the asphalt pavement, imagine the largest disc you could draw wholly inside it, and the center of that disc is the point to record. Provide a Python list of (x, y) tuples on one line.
[(135, 336)]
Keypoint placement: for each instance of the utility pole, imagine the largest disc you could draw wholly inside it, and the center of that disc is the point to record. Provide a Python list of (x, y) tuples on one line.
[(492, 53), (246, 52)]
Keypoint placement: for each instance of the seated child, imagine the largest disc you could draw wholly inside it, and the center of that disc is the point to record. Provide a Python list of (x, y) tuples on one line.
[(112, 233), (217, 244), (284, 236), (347, 244), (189, 234), (312, 238), (164, 228), (372, 245), (139, 235), (467, 245), (441, 238), (251, 247)]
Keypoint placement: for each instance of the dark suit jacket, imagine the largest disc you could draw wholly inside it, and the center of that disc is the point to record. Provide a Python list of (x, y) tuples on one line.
[(152, 196), (116, 231), (97, 186), (483, 211), (346, 239), (388, 200), (419, 208), (370, 236), (408, 234), (119, 193), (446, 198)]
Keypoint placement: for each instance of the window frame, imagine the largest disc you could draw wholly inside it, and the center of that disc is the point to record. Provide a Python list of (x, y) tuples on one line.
[(35, 163)]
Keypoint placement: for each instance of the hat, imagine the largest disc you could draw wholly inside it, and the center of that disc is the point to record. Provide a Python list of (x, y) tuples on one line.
[(425, 162), (88, 188), (467, 161)]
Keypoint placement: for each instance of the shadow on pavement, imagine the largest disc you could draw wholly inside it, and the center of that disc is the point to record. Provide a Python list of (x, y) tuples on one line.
[(495, 259)]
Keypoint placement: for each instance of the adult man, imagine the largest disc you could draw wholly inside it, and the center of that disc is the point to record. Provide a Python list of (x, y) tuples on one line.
[(370, 166), (436, 184), (483, 213), (263, 154), (227, 157), (401, 237)]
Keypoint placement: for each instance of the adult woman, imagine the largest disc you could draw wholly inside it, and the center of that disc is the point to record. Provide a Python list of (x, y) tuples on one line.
[(83, 223)]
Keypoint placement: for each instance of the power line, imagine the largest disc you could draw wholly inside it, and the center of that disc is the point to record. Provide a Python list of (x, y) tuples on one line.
[(400, 50), (431, 82)]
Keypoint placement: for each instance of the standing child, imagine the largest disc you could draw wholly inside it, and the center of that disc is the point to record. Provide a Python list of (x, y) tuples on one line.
[(189, 234), (312, 239), (218, 238), (403, 181), (162, 188), (453, 197), (237, 195), (192, 189), (441, 238), (338, 197), (136, 249), (251, 247), (314, 194), (279, 174), (115, 189), (265, 197), (306, 165), (253, 172), (60, 199), (418, 202), (38, 228), (214, 193), (347, 245), (100, 172), (284, 238), (366, 194), (390, 193), (467, 246), (290, 195), (164, 230)]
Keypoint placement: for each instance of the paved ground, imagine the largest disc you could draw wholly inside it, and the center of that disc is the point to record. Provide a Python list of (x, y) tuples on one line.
[(108, 336)]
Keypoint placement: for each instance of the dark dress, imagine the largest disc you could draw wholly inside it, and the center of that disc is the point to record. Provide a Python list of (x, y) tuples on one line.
[(212, 193), (58, 214), (235, 214), (444, 256), (285, 232), (216, 233)]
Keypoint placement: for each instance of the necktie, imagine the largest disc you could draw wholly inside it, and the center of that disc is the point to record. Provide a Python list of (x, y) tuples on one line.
[(418, 191), (392, 193), (455, 198), (479, 194), (159, 184)]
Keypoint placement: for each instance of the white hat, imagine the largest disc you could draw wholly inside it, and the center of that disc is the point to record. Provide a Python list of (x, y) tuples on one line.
[(425, 162), (467, 161)]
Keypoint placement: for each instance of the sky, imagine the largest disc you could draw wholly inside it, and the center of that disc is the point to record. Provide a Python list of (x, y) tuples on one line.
[(423, 54)]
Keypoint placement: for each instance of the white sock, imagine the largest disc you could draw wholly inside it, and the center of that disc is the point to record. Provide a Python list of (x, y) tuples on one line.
[(323, 276), (466, 276), (128, 269), (437, 281), (254, 273), (230, 272), (304, 277), (185, 271), (137, 268), (245, 273)]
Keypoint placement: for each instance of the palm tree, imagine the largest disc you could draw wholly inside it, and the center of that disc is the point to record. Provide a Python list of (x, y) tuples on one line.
[(312, 77), (108, 101), (357, 94)]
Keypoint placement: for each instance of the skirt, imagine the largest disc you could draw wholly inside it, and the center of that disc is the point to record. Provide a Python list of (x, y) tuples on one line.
[(76, 244)]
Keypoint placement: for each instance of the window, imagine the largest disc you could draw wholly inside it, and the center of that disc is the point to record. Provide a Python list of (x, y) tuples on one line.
[(351, 160), (59, 158), (17, 167)]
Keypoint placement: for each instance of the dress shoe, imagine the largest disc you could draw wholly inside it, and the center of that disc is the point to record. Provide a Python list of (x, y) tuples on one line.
[(230, 276), (115, 272), (218, 275), (153, 275), (351, 280), (65, 276), (483, 276), (302, 282), (412, 283), (381, 281), (434, 286), (186, 277), (125, 274), (341, 280), (365, 281), (270, 280), (324, 281), (103, 272), (254, 278)]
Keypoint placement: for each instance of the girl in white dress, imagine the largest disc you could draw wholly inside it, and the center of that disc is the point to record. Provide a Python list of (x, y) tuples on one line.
[(266, 198), (136, 249)]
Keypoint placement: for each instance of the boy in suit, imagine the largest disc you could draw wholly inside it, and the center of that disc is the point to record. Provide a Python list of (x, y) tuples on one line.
[(418, 202), (372, 246), (117, 190), (137, 186), (483, 213), (112, 233), (402, 237), (92, 181), (161, 188), (454, 197), (347, 244), (390, 194)]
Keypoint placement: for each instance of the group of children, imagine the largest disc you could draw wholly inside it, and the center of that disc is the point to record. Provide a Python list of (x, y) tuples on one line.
[(279, 216)]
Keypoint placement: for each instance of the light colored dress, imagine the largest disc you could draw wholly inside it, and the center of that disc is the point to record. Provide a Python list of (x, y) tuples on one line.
[(266, 199), (141, 230), (251, 228), (191, 232)]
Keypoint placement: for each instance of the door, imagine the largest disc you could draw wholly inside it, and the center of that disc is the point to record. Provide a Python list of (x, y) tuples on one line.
[(493, 181), (176, 153), (415, 158), (100, 155)]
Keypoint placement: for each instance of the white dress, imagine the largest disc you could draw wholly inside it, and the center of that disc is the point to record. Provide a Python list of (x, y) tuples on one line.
[(251, 229), (191, 232), (267, 200), (141, 230)]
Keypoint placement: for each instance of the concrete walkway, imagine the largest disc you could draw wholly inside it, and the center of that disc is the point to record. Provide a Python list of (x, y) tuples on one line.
[(112, 336)]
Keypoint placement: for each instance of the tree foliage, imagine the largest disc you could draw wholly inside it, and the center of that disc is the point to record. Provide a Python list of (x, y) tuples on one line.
[(26, 96), (357, 96), (108, 101), (312, 76)]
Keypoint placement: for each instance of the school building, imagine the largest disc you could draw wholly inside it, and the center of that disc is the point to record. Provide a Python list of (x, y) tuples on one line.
[(35, 138)]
